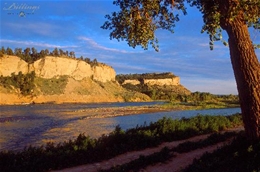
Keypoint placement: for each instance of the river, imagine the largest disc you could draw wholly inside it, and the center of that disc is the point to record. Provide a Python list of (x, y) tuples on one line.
[(24, 125)]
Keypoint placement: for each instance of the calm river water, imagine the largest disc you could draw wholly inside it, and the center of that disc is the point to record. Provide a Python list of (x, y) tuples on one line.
[(35, 125)]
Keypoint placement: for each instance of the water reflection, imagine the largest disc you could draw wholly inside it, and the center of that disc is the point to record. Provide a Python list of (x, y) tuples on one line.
[(90, 127)]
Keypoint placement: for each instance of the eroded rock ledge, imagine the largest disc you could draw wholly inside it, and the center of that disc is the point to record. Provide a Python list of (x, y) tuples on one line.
[(51, 67)]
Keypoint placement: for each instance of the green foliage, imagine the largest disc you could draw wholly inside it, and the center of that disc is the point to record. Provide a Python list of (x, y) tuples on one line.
[(93, 63), (3, 50), (185, 128), (23, 82), (87, 150), (155, 92), (224, 14), (137, 21), (206, 100), (9, 51), (55, 52), (52, 86), (122, 77), (204, 96), (176, 94), (30, 55)]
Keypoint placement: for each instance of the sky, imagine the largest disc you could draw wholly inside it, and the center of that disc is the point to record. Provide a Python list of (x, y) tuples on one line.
[(75, 26)]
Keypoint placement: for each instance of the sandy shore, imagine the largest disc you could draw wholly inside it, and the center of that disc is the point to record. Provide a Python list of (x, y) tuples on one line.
[(120, 111)]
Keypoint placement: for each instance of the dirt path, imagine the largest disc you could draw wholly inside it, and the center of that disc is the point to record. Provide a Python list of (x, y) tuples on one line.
[(173, 165), (181, 161)]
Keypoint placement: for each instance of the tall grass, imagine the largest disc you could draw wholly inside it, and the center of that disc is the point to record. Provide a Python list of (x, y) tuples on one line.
[(51, 86), (88, 150)]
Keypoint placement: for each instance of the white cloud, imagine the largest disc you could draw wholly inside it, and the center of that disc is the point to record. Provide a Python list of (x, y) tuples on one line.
[(41, 28), (128, 68), (35, 44), (95, 45)]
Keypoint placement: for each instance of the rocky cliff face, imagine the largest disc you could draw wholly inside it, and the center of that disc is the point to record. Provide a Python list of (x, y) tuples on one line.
[(65, 80), (12, 64), (103, 73), (160, 82), (51, 67), (159, 86)]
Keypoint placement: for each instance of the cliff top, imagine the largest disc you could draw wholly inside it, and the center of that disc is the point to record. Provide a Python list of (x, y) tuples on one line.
[(122, 77)]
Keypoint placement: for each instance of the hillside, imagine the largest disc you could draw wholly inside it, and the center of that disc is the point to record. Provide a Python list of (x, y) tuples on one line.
[(60, 80), (158, 86), (43, 78)]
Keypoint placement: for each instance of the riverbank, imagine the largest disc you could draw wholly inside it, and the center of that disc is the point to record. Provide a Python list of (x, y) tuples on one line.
[(86, 150), (39, 124), (107, 112)]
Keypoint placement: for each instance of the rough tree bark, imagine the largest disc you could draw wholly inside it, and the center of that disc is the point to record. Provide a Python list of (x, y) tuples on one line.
[(246, 68)]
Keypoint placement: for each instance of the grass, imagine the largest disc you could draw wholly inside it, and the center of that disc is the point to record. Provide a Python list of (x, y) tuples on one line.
[(87, 150), (201, 105), (51, 86)]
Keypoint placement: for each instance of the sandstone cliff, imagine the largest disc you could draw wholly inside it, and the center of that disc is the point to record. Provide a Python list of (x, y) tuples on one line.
[(159, 82), (161, 86), (51, 67), (65, 80), (12, 64)]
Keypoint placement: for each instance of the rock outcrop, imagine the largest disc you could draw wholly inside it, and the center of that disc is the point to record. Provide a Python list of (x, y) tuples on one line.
[(159, 82), (12, 64), (156, 85), (51, 67), (162, 82), (64, 80), (131, 81)]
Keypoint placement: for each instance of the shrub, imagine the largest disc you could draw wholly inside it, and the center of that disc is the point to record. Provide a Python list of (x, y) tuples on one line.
[(52, 86), (23, 82)]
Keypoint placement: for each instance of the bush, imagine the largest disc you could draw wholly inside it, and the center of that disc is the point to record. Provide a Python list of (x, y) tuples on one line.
[(52, 86), (23, 82)]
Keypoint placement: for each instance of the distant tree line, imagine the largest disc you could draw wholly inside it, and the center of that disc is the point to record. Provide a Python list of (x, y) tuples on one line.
[(122, 77), (31, 55), (203, 96), (23, 82)]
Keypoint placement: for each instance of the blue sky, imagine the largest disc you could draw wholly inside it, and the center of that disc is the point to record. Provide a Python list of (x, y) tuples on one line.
[(75, 26)]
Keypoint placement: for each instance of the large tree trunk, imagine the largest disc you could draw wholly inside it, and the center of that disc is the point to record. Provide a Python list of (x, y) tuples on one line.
[(246, 69)]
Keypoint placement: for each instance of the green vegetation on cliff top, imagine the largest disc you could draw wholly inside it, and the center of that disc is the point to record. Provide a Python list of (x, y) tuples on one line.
[(122, 77), (30, 55)]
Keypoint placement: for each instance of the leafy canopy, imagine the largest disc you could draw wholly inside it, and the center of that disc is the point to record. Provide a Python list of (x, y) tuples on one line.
[(137, 20)]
